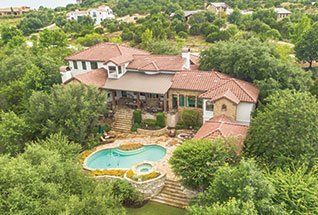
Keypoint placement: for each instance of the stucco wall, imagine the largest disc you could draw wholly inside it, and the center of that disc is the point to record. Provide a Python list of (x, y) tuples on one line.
[(243, 113), (230, 108)]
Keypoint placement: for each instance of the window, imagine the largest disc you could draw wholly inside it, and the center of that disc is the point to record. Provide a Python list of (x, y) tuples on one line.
[(94, 65), (199, 103), (75, 64), (181, 100), (191, 101), (124, 94), (209, 106), (84, 65), (119, 70), (224, 108), (112, 69), (174, 101)]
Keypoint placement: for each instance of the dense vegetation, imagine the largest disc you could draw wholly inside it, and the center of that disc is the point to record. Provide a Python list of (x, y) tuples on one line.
[(43, 126)]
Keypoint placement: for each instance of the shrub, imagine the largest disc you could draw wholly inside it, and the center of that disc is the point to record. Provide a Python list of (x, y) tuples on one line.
[(134, 127), (130, 174), (149, 124), (183, 34), (137, 116), (160, 120), (111, 172), (191, 119), (90, 39), (106, 127), (130, 146), (244, 182), (196, 161), (125, 191)]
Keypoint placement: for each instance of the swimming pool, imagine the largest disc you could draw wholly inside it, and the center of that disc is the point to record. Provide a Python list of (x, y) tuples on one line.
[(116, 158)]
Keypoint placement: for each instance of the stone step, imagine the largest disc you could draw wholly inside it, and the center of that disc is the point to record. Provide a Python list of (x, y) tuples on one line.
[(175, 187), (181, 198), (173, 192), (170, 201)]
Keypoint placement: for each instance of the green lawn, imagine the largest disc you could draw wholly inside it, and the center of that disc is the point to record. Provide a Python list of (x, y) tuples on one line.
[(153, 208)]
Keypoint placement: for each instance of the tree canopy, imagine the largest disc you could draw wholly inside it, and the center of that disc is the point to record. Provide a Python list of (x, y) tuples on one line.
[(72, 110), (284, 132)]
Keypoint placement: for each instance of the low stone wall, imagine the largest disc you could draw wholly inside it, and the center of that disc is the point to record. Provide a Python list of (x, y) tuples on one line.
[(159, 132), (149, 188)]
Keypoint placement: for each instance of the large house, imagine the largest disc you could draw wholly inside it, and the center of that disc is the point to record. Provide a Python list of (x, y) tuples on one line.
[(219, 8), (14, 11), (166, 82), (97, 14), (282, 13)]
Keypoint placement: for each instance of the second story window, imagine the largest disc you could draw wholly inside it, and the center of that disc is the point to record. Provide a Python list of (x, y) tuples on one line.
[(75, 64), (119, 70), (112, 70), (93, 65), (84, 65)]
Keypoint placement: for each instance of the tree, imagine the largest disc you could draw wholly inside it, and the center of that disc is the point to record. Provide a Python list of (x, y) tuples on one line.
[(196, 161), (8, 33), (244, 183), (46, 180), (13, 133), (52, 38), (284, 132), (306, 48), (72, 110), (257, 62), (297, 189)]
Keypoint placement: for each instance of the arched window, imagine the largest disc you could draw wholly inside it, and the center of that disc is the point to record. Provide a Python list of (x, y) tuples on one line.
[(224, 108)]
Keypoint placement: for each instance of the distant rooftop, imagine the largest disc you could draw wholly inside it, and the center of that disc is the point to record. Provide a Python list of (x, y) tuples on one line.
[(281, 10)]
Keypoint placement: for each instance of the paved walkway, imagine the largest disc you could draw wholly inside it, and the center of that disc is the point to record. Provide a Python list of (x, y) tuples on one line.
[(167, 142)]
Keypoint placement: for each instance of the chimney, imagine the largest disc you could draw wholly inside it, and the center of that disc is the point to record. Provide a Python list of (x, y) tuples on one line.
[(186, 58)]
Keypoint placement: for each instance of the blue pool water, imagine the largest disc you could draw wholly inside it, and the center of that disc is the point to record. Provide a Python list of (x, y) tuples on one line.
[(116, 158)]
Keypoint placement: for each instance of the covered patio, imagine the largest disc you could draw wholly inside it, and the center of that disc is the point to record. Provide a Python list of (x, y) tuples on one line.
[(148, 91)]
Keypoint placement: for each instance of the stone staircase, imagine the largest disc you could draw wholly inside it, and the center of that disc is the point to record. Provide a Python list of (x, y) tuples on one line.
[(123, 120), (172, 194)]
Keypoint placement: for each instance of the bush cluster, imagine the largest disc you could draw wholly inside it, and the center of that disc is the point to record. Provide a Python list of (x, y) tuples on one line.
[(190, 119)]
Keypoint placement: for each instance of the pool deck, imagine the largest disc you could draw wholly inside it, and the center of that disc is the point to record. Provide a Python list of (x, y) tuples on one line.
[(170, 144)]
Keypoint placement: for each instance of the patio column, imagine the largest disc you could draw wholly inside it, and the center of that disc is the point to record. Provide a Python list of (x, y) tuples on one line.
[(113, 98), (165, 102), (138, 100)]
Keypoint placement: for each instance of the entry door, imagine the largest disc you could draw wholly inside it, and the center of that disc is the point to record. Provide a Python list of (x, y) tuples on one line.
[(175, 101)]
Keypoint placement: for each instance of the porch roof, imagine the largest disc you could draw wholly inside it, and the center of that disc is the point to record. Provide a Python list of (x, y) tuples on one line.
[(141, 82)]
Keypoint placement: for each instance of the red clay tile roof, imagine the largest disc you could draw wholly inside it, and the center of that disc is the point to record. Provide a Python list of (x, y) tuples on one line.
[(240, 91), (103, 52), (216, 85), (95, 77), (197, 80), (221, 126), (157, 62)]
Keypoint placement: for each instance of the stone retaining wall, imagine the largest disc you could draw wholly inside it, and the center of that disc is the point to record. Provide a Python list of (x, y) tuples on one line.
[(159, 132), (149, 188)]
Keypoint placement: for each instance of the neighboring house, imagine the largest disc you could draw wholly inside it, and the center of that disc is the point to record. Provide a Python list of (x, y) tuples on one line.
[(166, 82), (97, 14), (219, 7), (282, 13), (14, 11)]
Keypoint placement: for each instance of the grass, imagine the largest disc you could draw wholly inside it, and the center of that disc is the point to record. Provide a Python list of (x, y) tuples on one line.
[(154, 208), (10, 21)]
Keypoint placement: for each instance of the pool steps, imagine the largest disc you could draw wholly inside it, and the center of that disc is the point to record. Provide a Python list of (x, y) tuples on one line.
[(172, 194)]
